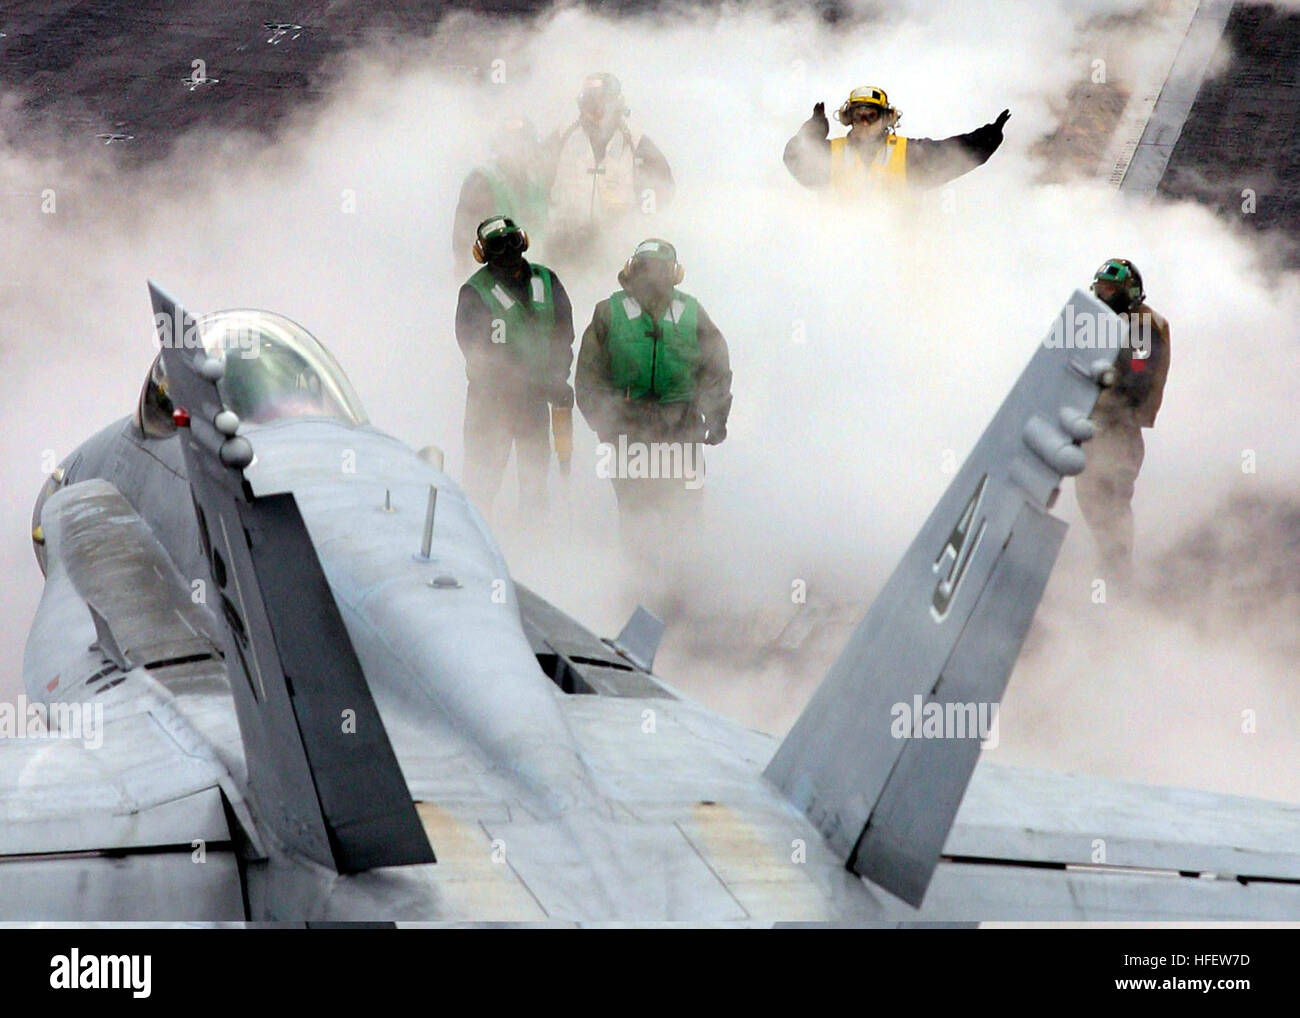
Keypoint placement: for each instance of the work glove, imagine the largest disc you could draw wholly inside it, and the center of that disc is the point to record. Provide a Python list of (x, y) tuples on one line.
[(819, 118)]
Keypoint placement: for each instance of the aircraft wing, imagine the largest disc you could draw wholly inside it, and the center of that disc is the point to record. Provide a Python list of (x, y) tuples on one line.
[(1026, 845), (1034, 844), (131, 811)]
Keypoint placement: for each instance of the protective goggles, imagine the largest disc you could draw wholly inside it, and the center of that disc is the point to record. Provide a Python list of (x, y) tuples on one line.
[(864, 114), (597, 100)]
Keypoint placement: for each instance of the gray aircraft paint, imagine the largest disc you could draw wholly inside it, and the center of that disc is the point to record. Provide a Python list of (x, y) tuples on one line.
[(947, 627), (626, 805)]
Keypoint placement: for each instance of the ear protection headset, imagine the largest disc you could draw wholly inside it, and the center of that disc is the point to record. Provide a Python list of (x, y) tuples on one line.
[(515, 236), (679, 273), (868, 96)]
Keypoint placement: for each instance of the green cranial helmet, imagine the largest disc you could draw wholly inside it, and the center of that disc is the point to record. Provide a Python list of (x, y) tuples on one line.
[(1124, 274)]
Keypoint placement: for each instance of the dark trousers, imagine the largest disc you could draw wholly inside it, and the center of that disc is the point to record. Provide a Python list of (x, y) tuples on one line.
[(1105, 488), (665, 500), (496, 421), (657, 507)]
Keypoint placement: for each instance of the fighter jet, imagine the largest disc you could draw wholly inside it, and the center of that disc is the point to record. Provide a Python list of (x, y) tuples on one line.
[(321, 697)]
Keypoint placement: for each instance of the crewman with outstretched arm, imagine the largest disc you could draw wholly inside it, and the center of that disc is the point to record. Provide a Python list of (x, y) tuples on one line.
[(873, 157)]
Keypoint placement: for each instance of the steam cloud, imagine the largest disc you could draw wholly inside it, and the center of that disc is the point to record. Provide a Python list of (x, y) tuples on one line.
[(869, 347)]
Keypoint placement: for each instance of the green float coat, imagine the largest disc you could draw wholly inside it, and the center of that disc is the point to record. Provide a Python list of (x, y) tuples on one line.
[(526, 205), (649, 360), (527, 327)]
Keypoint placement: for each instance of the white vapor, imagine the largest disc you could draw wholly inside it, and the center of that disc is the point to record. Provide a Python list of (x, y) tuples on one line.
[(869, 345)]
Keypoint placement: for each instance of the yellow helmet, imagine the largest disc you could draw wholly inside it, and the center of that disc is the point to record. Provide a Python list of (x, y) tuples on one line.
[(867, 95)]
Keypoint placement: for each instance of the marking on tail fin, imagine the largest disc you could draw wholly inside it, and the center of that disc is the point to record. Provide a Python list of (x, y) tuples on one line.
[(960, 548)]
